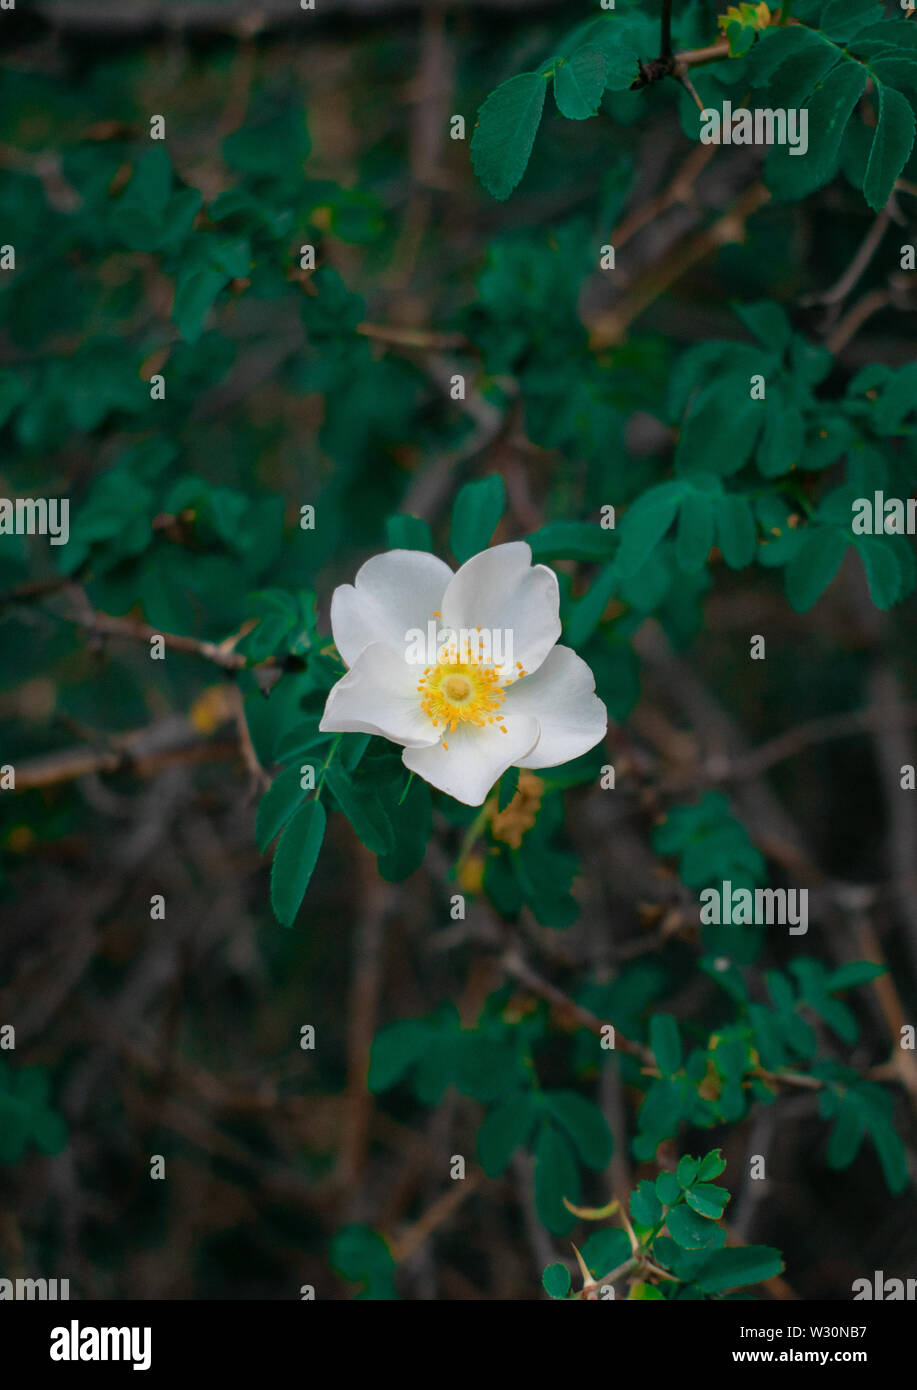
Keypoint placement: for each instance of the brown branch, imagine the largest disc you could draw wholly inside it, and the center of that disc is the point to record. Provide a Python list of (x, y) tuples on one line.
[(259, 780), (513, 963), (692, 57), (852, 322), (223, 654), (435, 1216), (856, 267), (421, 338), (143, 752), (680, 190), (135, 630), (376, 902), (793, 741), (35, 589), (610, 328)]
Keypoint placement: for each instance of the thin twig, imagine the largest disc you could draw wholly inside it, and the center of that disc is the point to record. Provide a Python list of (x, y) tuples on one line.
[(665, 34), (861, 260), (852, 322)]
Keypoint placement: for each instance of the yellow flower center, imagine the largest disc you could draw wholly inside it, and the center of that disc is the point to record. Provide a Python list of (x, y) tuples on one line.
[(460, 692), (457, 688), (462, 688)]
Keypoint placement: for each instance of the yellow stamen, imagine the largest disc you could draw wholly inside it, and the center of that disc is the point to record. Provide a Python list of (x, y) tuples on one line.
[(460, 692)]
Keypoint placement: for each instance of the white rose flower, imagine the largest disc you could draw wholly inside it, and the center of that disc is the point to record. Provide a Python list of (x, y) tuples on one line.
[(497, 693)]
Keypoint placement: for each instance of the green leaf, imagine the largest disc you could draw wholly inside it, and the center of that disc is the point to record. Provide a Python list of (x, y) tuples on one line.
[(277, 805), (273, 142), (737, 1266), (786, 63), (687, 1170), (414, 820), (668, 1189), (395, 1050), (768, 322), (584, 614), (408, 533), (846, 1136), (891, 146), (898, 399), (579, 83), (556, 1281), (295, 859), (351, 749), (883, 569), (195, 292), (645, 523), (855, 972), (695, 532), (735, 530), (783, 437), (572, 540), (362, 808), (476, 515), (841, 19), (814, 566), (584, 1123), (506, 1128), (556, 1177), (707, 1200), (711, 1165), (693, 1232), (892, 1156), (718, 435), (25, 1115), (362, 1256), (300, 739), (794, 176), (645, 1206), (505, 132), (665, 1042), (641, 1291), (604, 1251)]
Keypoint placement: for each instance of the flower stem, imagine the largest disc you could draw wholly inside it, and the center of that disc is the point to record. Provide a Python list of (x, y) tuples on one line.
[(327, 763)]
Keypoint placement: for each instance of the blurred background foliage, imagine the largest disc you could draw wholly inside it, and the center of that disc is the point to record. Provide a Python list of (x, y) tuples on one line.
[(287, 387)]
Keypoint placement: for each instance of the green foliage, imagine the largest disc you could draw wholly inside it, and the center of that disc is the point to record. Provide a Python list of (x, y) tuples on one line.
[(295, 859), (821, 65), (505, 132), (362, 1256), (678, 1249), (27, 1118), (476, 515)]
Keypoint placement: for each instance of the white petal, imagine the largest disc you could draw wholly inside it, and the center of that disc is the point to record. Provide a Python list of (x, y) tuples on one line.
[(501, 591), (379, 696), (561, 696), (392, 593), (475, 758)]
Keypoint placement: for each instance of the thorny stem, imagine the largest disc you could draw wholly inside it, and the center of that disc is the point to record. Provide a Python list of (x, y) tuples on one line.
[(690, 88), (612, 1275)]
